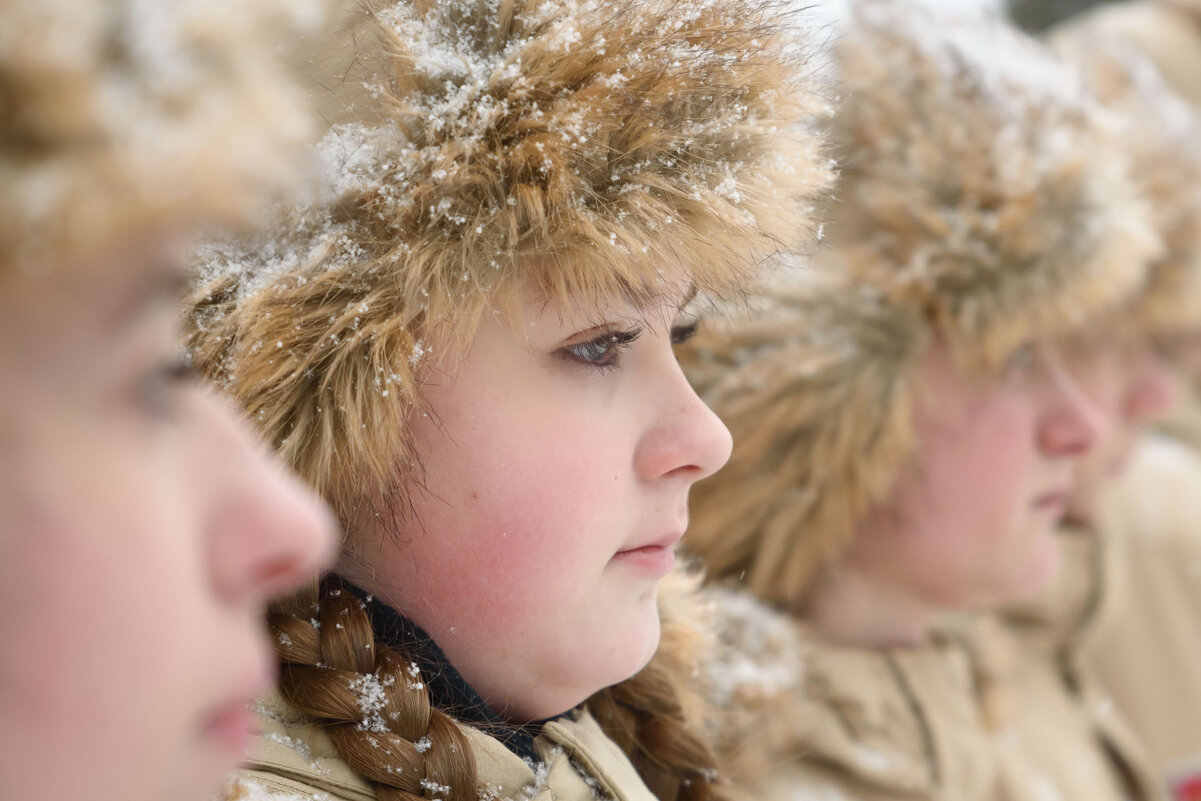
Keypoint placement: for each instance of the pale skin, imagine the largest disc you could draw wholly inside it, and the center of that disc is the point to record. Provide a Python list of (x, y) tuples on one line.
[(144, 530), (558, 454), (1130, 383), (969, 524)]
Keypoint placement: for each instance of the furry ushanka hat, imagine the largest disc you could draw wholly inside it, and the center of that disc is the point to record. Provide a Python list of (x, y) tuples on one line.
[(578, 147), (1162, 134), (983, 201), (120, 116)]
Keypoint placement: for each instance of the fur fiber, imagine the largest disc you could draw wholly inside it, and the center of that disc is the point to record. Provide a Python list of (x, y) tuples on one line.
[(481, 148), (1162, 133)]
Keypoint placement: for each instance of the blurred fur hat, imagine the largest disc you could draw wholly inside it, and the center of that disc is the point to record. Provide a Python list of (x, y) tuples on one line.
[(577, 147), (1162, 134), (983, 201), (119, 116)]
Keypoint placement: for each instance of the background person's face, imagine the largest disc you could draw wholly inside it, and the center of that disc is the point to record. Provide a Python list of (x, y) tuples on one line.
[(1131, 385), (970, 521), (141, 532)]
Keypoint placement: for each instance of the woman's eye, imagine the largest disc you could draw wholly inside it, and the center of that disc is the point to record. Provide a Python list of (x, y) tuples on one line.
[(682, 333), (157, 391), (602, 352)]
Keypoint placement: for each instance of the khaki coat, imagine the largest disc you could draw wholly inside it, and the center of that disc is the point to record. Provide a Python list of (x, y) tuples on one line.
[(293, 759), (1049, 698), (1148, 656)]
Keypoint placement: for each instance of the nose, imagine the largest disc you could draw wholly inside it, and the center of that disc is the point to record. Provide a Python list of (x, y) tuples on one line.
[(686, 439), (1071, 423), (265, 532), (1152, 387)]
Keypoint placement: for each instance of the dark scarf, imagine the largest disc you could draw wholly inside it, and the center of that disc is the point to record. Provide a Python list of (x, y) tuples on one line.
[(448, 690)]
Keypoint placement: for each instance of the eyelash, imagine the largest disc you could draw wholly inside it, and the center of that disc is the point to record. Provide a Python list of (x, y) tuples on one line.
[(682, 333), (604, 352)]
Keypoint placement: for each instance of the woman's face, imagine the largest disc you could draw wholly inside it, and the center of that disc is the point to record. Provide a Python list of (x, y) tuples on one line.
[(1129, 382), (970, 521), (142, 532), (557, 462)]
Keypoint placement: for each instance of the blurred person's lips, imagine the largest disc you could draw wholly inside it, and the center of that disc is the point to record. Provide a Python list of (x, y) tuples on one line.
[(231, 723), (231, 726), (1053, 501)]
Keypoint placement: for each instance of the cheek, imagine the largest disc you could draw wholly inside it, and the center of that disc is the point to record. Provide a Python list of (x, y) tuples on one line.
[(521, 498), (115, 628), (976, 477)]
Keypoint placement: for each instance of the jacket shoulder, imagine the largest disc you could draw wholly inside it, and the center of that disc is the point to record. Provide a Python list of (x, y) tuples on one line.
[(294, 760)]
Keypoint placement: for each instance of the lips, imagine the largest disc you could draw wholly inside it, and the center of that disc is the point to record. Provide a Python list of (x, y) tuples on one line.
[(657, 557), (231, 727), (652, 559), (1053, 501), (231, 724)]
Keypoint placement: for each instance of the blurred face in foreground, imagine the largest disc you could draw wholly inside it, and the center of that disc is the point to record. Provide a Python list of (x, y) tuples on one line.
[(1130, 384), (970, 521), (143, 530), (557, 457)]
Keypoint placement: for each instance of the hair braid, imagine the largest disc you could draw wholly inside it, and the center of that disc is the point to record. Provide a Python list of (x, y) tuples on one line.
[(644, 717), (369, 699), (660, 716)]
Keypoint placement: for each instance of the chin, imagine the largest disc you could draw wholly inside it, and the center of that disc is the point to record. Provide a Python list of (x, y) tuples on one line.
[(636, 647), (1041, 570)]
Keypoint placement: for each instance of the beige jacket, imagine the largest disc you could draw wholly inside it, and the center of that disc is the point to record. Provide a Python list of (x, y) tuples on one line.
[(1050, 705), (1167, 31), (814, 720), (295, 760), (1149, 654)]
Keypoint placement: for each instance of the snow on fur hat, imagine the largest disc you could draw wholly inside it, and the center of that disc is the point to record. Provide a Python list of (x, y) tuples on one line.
[(117, 116), (1162, 134), (578, 147), (982, 202)]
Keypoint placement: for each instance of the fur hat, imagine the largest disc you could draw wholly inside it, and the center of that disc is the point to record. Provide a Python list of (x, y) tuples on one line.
[(117, 116), (1162, 134), (984, 202), (578, 147)]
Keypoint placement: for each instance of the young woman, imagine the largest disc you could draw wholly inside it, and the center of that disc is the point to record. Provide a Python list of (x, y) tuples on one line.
[(466, 346), (905, 434), (1123, 617), (144, 529)]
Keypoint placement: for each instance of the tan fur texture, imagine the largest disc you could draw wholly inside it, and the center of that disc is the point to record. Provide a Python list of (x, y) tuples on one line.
[(984, 200), (117, 117), (815, 383), (1162, 133), (578, 149)]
